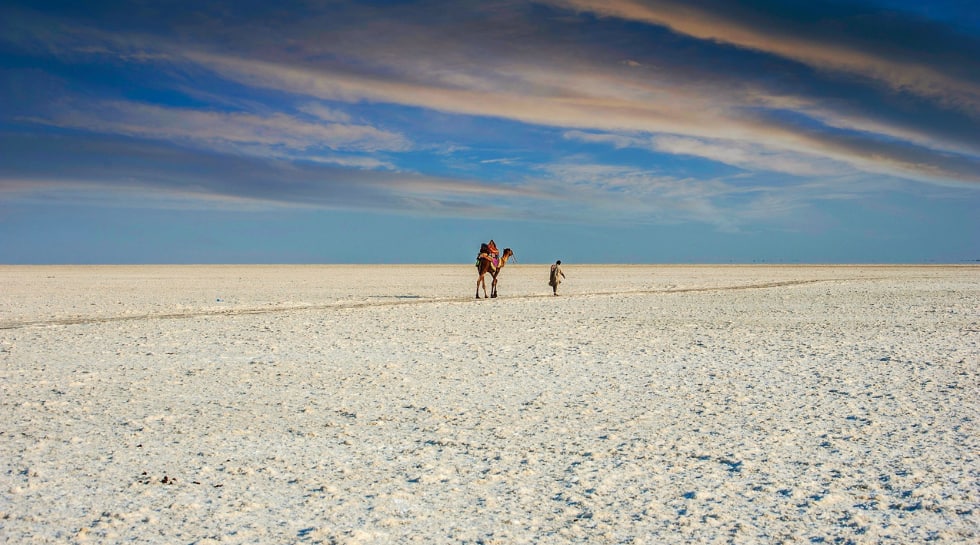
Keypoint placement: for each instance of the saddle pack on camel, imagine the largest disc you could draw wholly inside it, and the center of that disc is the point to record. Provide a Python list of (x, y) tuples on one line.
[(488, 251)]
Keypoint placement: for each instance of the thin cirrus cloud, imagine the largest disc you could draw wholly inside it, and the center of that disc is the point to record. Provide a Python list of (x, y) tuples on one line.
[(596, 99), (738, 154), (223, 130), (836, 44), (597, 88), (633, 195), (97, 166)]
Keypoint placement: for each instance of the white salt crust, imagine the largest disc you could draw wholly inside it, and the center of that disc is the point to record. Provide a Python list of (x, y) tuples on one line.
[(384, 404)]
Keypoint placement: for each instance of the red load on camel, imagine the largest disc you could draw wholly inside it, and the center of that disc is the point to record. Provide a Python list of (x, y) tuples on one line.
[(488, 251)]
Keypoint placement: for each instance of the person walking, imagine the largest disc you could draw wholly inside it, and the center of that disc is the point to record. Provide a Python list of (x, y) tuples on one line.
[(556, 277)]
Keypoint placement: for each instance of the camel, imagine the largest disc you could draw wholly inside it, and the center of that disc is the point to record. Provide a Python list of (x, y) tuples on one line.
[(484, 267)]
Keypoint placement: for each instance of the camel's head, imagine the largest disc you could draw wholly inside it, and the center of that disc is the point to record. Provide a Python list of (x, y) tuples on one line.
[(508, 252)]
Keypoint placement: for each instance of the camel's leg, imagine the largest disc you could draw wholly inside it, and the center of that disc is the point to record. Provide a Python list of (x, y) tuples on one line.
[(481, 280), (493, 288)]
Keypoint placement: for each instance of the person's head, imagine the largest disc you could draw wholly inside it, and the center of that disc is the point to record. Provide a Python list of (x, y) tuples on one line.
[(558, 262)]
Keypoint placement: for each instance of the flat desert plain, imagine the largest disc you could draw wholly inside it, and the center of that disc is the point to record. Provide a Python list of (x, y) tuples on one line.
[(385, 404)]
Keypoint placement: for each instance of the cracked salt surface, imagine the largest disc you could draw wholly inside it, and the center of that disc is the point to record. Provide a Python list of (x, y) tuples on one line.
[(359, 404)]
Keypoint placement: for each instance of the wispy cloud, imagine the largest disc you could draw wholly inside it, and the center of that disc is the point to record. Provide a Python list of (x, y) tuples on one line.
[(603, 97), (92, 165), (634, 195), (731, 152), (325, 113), (223, 130), (742, 155), (626, 195), (847, 41)]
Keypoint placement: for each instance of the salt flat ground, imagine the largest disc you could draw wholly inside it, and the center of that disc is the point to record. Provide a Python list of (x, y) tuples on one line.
[(370, 404)]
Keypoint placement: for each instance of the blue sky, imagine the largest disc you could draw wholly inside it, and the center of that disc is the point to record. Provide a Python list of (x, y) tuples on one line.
[(619, 131)]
